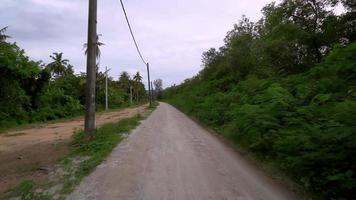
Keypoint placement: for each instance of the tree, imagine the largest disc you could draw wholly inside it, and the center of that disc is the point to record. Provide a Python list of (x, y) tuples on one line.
[(209, 57), (19, 82), (137, 77), (124, 80), (287, 28), (59, 67), (158, 87), (3, 36), (210, 60), (303, 32), (244, 27), (97, 48), (138, 86), (124, 83)]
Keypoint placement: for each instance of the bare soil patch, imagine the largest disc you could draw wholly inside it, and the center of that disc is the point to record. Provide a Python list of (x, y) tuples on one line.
[(32, 153)]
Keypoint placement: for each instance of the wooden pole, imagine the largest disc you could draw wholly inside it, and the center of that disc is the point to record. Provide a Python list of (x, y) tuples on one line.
[(106, 89), (149, 84)]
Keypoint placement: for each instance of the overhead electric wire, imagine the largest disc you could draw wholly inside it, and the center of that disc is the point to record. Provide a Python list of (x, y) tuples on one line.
[(133, 37)]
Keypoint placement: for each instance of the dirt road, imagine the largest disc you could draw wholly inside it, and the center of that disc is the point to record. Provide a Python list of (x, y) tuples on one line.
[(171, 157), (28, 154)]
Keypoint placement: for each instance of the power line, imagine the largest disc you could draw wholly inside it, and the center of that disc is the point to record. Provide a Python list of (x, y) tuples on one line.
[(133, 37), (139, 52)]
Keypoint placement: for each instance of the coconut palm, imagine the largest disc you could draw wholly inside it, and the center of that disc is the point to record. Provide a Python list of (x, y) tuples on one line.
[(124, 81), (59, 66), (137, 85), (137, 77), (97, 50)]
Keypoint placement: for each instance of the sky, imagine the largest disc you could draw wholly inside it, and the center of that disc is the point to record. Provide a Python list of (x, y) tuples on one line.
[(172, 34)]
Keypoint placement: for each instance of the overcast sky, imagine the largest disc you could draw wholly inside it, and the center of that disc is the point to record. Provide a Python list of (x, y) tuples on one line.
[(172, 34)]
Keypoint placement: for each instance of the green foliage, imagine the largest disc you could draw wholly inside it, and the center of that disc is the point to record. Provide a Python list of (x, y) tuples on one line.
[(55, 104), (33, 92), (284, 88), (105, 138), (3, 37), (15, 70), (26, 190), (59, 67)]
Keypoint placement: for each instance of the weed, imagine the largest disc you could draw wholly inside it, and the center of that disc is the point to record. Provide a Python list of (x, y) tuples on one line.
[(26, 190), (95, 149)]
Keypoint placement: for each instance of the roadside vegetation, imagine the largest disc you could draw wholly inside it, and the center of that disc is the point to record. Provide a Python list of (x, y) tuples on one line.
[(93, 151), (284, 88), (85, 154), (32, 91)]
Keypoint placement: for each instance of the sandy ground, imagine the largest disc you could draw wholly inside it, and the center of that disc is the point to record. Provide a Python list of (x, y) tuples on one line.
[(171, 157), (29, 154)]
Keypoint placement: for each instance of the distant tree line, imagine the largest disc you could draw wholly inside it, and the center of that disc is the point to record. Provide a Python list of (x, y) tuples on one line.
[(32, 91), (284, 88)]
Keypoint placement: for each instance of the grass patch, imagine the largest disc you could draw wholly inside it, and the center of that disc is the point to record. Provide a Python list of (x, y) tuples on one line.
[(26, 191)]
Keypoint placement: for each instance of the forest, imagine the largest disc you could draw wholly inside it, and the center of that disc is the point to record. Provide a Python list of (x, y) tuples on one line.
[(284, 89), (32, 91)]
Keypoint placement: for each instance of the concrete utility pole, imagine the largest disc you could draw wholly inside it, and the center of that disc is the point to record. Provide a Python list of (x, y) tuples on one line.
[(106, 89), (149, 84), (89, 124)]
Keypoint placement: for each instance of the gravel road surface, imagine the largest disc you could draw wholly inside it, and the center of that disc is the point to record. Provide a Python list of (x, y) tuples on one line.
[(169, 156)]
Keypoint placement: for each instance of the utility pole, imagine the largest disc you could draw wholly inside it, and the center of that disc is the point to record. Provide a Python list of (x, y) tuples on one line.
[(152, 94), (106, 89), (149, 84), (89, 124)]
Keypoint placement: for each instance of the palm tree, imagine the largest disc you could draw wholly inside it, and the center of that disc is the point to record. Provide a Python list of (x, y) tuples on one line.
[(59, 65), (137, 80), (137, 77), (3, 37), (124, 81), (97, 50)]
